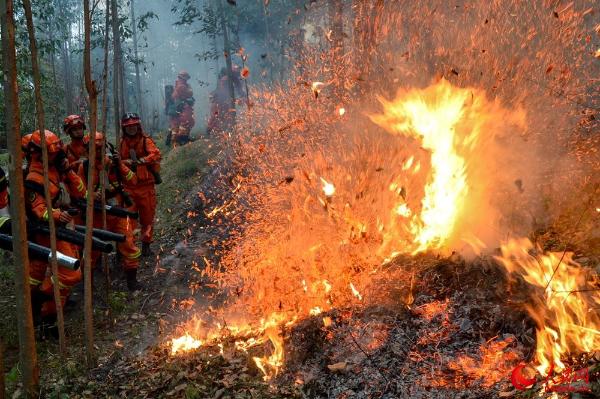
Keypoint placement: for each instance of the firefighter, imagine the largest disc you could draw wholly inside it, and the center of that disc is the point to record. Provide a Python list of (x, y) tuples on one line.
[(222, 111), (43, 305), (117, 173), (139, 152), (182, 119), (74, 126)]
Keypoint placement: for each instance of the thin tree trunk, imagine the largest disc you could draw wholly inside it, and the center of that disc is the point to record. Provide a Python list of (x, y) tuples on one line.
[(122, 83), (138, 83), (103, 172), (105, 72), (336, 22), (67, 77), (227, 54), (267, 39), (116, 71), (27, 353), (40, 122), (90, 86)]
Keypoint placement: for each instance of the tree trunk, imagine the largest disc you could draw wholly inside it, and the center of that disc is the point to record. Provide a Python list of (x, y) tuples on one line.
[(336, 22), (68, 77), (27, 353), (122, 83), (39, 106), (116, 71), (103, 176), (90, 86), (105, 72), (268, 40), (227, 55), (138, 83)]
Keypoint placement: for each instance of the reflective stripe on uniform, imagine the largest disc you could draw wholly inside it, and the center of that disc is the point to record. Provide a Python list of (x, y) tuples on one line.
[(134, 255), (129, 175), (45, 215), (4, 219), (60, 284), (33, 281), (81, 186)]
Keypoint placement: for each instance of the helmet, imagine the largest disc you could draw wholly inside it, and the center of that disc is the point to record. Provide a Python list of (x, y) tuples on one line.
[(183, 75), (130, 119), (53, 143), (99, 139), (73, 121)]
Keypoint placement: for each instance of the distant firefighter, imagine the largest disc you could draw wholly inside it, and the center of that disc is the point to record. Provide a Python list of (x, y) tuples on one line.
[(180, 109), (222, 112)]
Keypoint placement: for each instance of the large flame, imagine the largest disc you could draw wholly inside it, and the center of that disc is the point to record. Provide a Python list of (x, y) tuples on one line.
[(564, 312), (432, 116), (315, 244)]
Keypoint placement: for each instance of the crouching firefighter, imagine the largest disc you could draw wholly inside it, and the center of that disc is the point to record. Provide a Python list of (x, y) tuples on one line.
[(139, 152), (116, 174), (43, 306)]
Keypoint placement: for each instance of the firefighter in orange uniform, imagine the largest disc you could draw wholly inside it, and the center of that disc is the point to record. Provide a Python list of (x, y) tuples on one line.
[(58, 172), (183, 121), (139, 152), (129, 252), (74, 126)]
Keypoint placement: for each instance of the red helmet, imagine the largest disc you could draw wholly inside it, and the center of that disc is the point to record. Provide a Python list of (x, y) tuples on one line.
[(53, 143), (99, 139), (72, 122), (130, 119), (183, 75)]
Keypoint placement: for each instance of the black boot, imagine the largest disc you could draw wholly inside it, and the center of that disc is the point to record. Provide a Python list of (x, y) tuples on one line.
[(49, 327), (132, 283), (146, 249), (37, 300)]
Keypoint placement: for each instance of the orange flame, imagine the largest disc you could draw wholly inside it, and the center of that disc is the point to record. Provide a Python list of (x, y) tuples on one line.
[(432, 116), (184, 343), (567, 323)]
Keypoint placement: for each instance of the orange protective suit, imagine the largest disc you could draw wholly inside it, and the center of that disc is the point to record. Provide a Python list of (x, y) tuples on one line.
[(143, 193), (76, 151), (182, 123), (130, 253), (37, 211)]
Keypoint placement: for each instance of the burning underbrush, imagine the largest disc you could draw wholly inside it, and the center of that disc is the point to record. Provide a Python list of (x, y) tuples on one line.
[(320, 229), (340, 203)]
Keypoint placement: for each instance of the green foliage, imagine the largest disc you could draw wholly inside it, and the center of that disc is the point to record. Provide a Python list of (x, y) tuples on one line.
[(143, 20), (12, 377), (118, 301)]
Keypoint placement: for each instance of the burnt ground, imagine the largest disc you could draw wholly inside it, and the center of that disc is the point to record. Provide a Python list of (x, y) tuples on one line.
[(435, 328)]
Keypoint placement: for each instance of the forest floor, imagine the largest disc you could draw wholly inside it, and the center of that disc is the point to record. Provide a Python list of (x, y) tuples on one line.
[(457, 336)]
